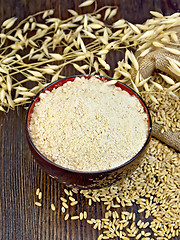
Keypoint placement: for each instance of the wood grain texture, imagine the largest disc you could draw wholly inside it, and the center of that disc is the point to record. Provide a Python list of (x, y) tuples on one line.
[(19, 174)]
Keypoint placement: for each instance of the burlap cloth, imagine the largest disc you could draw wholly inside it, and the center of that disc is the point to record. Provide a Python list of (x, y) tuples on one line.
[(157, 58), (170, 138)]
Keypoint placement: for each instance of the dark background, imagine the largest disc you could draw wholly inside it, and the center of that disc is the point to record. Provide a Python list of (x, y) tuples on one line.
[(19, 174)]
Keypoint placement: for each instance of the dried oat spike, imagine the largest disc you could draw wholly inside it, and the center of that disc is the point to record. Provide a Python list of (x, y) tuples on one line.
[(96, 66), (95, 25), (3, 36), (72, 12), (8, 60), (105, 35), (133, 60), (145, 52), (119, 24), (51, 12), (56, 56), (21, 100), (112, 82), (158, 44), (175, 86), (2, 95), (26, 27), (86, 3), (2, 109), (141, 83), (103, 63), (79, 58), (85, 21), (125, 74), (173, 95), (137, 78), (31, 53), (48, 13), (10, 101), (35, 73), (3, 70), (167, 79), (45, 14), (156, 14), (134, 28), (146, 87), (112, 13), (9, 83), (171, 61), (42, 26), (134, 86), (107, 12), (157, 85), (35, 89), (103, 41), (155, 101), (33, 26), (89, 34), (12, 38), (77, 18), (126, 36), (82, 45), (146, 35), (79, 68), (56, 76), (32, 78), (9, 23), (27, 94), (103, 52), (117, 33), (144, 46), (174, 68), (172, 50), (174, 37)]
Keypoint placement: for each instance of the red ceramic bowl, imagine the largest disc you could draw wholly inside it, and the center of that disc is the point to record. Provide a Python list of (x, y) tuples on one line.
[(83, 179)]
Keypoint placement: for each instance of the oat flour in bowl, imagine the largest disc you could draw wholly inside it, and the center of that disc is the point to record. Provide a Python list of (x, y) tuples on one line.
[(88, 125)]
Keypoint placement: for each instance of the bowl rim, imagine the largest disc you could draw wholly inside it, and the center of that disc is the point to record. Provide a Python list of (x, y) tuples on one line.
[(87, 172)]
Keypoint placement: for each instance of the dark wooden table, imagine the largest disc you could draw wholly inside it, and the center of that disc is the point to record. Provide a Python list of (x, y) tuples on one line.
[(19, 174)]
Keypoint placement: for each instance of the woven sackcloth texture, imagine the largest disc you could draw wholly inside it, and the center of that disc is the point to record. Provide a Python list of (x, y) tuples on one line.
[(172, 139)]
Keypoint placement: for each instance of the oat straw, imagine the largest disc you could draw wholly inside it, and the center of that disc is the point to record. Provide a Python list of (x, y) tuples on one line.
[(117, 35)]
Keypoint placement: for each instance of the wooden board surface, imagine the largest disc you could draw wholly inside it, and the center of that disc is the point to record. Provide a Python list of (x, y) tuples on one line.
[(19, 174)]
